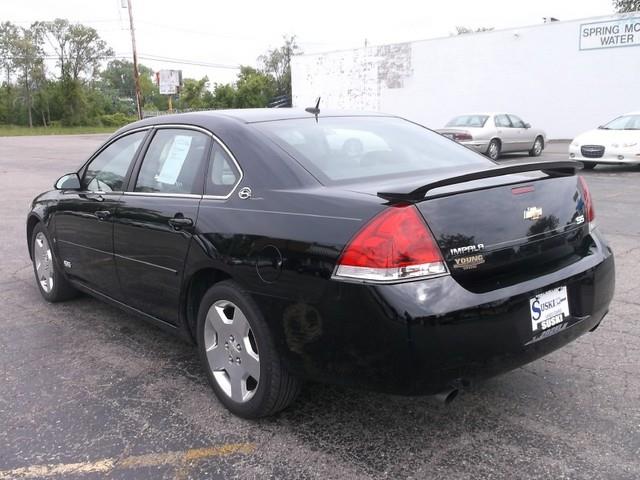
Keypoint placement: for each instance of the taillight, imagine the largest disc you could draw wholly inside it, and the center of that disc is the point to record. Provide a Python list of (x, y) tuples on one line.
[(395, 245), (462, 136), (589, 211)]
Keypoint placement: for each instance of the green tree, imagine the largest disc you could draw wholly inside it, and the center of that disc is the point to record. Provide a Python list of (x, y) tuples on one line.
[(254, 89), (117, 81), (626, 6), (79, 48), (224, 96), (28, 59), (9, 34), (192, 94), (277, 63)]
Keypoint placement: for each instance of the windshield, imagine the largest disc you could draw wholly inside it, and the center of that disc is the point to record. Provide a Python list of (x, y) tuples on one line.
[(626, 122), (468, 121), (352, 148)]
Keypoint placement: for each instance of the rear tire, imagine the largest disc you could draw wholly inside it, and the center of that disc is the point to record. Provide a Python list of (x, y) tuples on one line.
[(238, 352), (589, 165), (538, 146), (52, 283), (493, 151)]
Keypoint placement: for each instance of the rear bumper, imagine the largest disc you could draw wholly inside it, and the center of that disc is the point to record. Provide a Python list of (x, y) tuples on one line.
[(480, 146), (420, 337)]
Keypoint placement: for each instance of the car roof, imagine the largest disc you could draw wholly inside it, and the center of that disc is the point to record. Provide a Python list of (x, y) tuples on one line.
[(253, 115)]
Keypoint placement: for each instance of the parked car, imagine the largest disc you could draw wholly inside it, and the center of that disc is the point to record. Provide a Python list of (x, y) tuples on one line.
[(495, 133), (617, 142), (345, 248)]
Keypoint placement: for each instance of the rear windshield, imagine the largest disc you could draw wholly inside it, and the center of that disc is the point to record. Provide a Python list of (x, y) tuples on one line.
[(468, 121), (338, 149)]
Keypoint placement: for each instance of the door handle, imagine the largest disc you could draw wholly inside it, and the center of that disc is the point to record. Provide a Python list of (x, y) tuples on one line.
[(103, 214), (180, 222)]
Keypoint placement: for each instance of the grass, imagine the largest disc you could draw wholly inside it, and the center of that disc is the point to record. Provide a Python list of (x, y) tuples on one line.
[(15, 130)]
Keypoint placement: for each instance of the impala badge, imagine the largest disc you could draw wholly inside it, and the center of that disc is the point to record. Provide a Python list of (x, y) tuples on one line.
[(533, 213)]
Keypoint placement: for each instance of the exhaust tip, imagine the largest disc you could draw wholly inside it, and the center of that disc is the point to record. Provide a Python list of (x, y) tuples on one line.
[(447, 396)]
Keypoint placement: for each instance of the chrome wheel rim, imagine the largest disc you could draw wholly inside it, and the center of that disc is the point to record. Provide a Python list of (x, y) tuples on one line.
[(493, 150), (232, 352), (537, 147), (43, 261)]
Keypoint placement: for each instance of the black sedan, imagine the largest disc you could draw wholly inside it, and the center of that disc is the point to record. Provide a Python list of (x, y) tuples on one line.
[(355, 249)]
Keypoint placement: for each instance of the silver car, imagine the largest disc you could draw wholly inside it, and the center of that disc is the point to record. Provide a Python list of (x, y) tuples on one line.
[(495, 133)]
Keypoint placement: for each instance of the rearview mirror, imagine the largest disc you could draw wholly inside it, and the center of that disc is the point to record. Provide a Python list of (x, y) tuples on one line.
[(527, 125), (70, 181)]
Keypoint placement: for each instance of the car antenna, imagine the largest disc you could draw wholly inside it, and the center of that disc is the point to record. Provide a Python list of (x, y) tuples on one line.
[(314, 110)]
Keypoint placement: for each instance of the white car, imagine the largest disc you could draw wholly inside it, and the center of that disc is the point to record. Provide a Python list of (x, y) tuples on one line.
[(617, 142)]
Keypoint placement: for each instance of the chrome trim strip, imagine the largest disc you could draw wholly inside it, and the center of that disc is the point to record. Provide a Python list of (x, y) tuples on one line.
[(83, 246), (160, 194), (146, 263)]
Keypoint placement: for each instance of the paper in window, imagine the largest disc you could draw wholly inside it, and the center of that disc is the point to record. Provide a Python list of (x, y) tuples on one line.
[(175, 159)]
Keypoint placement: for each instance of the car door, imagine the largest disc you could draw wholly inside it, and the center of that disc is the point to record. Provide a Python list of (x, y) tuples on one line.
[(156, 218), (506, 133), (84, 219), (522, 135)]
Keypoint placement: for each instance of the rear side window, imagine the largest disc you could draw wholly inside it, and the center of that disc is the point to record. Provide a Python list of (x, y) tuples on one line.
[(346, 149), (173, 162), (108, 170), (223, 174), (503, 121)]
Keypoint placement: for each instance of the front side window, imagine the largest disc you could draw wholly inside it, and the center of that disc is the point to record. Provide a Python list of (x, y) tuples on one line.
[(223, 173), (108, 170), (347, 149), (503, 121), (173, 162), (516, 121)]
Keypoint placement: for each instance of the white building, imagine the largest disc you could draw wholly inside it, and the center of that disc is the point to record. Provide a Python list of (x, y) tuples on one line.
[(565, 77)]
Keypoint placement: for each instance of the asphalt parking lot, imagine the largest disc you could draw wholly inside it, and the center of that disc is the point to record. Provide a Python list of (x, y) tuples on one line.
[(87, 391)]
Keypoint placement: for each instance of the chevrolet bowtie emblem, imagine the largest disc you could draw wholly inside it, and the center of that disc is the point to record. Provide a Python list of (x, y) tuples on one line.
[(533, 213)]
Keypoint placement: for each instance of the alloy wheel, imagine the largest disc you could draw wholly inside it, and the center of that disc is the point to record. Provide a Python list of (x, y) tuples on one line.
[(232, 351), (44, 262), (493, 151), (537, 147)]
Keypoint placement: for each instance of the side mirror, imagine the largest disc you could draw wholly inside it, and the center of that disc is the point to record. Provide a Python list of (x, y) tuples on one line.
[(527, 125), (70, 181), (600, 127)]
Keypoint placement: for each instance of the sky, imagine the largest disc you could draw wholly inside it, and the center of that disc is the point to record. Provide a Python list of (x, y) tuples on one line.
[(222, 35)]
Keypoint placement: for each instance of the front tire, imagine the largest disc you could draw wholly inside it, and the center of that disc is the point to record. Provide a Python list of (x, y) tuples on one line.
[(52, 283), (538, 146), (238, 352), (493, 151)]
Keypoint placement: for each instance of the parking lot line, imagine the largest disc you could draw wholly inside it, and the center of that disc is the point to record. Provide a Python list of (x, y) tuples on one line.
[(177, 458)]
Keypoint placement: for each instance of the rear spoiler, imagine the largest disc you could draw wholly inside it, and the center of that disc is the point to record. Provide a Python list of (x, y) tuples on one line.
[(561, 168)]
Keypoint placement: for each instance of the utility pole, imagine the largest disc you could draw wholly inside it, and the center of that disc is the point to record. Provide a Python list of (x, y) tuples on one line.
[(136, 76)]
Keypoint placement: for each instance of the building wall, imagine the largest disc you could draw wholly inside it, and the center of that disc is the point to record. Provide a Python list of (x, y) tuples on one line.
[(539, 73)]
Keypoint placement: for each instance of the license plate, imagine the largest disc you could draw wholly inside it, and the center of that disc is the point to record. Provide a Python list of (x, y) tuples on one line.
[(549, 309)]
